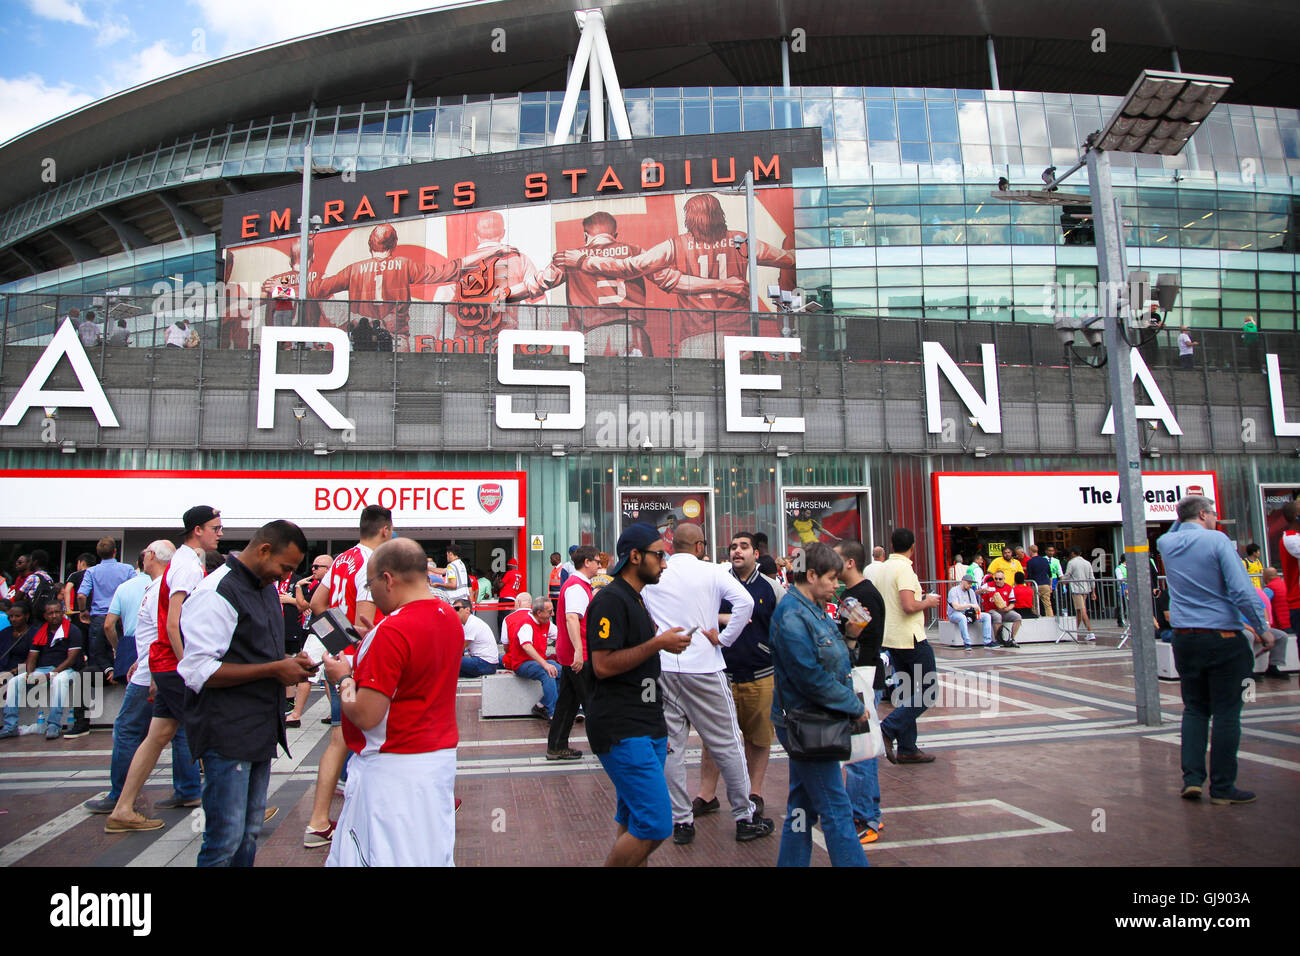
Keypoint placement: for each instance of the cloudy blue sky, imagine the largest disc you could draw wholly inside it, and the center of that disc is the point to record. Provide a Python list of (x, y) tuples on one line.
[(57, 55)]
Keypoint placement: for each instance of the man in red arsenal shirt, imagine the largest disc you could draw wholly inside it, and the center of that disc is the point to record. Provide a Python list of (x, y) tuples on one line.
[(609, 329), (511, 584), (379, 288), (399, 707), (280, 292), (184, 572), (527, 631), (1290, 560), (571, 652), (708, 250), (346, 586)]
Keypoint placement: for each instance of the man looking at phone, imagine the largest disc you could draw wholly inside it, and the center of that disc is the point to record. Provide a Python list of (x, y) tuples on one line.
[(399, 708), (235, 669), (625, 713), (905, 607), (689, 595), (344, 587)]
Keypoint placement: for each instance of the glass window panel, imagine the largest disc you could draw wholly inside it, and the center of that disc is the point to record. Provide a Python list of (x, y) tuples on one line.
[(726, 116), (811, 238), (911, 123), (814, 216), (788, 113), (1060, 128), (348, 123), (1034, 235), (941, 215), (1033, 275), (818, 113), (850, 121), (1198, 238), (990, 275), (897, 215), (942, 194), (855, 298), (943, 122), (810, 197), (854, 277), (1002, 124), (852, 236), (1283, 281), (372, 122), (914, 152), (946, 235), (993, 211), (1236, 279), (1239, 300), (1276, 300), (851, 216), (695, 117), (898, 275), (945, 153), (897, 195), (881, 124), (850, 195), (758, 114), (1038, 215), (988, 235), (667, 119), (945, 275), (1033, 124), (884, 153), (939, 297), (532, 118), (851, 152), (896, 300)]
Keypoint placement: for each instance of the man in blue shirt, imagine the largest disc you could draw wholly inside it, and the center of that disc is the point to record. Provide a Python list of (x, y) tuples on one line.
[(123, 609), (95, 594), (1210, 594)]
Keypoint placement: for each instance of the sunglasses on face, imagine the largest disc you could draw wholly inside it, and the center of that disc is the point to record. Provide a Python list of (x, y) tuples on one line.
[(661, 555)]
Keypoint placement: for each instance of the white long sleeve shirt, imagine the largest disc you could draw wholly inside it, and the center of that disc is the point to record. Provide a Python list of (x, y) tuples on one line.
[(690, 594)]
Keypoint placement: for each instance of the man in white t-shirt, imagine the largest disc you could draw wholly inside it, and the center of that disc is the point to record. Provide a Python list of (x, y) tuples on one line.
[(480, 655), (1185, 345), (132, 721), (455, 577)]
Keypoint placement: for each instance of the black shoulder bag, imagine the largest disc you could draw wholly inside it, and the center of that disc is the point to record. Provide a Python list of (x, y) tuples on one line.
[(814, 733)]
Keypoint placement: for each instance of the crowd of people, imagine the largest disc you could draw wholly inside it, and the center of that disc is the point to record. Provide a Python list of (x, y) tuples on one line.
[(220, 653)]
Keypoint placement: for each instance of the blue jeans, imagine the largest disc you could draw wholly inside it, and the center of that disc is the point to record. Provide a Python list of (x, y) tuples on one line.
[(862, 781), (476, 667), (915, 667), (817, 792), (1212, 671), (234, 803), (963, 624), (129, 730), (59, 692), (550, 685)]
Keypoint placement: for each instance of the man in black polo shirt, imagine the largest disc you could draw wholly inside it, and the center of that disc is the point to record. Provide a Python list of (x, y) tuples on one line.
[(625, 713), (234, 668), (862, 779)]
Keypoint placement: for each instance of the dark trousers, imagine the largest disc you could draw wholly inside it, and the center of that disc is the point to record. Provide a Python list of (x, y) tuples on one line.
[(917, 679), (575, 688), (1212, 670), (99, 653)]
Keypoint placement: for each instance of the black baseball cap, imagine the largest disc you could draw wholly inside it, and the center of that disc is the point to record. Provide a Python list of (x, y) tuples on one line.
[(637, 536), (198, 515)]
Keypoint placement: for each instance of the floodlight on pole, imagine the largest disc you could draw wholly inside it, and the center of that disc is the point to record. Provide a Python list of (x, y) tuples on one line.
[(1161, 112)]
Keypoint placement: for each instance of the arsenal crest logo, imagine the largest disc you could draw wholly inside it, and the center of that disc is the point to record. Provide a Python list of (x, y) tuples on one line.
[(489, 496)]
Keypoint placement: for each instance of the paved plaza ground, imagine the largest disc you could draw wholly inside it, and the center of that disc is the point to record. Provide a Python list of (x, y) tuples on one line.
[(1047, 768)]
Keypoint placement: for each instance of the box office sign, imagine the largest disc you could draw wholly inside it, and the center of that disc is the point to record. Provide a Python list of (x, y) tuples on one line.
[(825, 515), (994, 498), (250, 499), (666, 509)]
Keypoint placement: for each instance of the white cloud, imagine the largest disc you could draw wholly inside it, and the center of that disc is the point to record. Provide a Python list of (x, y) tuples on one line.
[(111, 30), (28, 101), (154, 61), (245, 24), (65, 11)]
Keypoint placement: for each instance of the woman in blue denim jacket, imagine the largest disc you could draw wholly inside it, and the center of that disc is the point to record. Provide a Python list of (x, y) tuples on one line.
[(813, 672)]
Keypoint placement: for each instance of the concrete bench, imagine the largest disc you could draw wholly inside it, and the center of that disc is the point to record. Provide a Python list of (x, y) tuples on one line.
[(1041, 630), (505, 694), (1166, 670)]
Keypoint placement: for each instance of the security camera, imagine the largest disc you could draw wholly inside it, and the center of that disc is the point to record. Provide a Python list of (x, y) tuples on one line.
[(647, 444)]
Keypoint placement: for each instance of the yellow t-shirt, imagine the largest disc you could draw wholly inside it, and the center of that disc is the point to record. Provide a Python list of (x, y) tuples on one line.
[(1255, 569), (1009, 568), (805, 530), (902, 630)]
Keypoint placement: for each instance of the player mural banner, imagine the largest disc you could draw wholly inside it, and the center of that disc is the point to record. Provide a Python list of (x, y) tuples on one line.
[(825, 515), (666, 509), (1273, 498), (649, 275)]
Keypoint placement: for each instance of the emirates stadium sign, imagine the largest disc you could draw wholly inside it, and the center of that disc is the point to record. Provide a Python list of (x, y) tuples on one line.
[(580, 171)]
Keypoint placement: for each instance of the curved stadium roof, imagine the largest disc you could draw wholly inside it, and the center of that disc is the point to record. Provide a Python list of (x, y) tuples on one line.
[(1040, 45)]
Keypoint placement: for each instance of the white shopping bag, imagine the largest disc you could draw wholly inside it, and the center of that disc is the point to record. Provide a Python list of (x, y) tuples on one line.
[(868, 743)]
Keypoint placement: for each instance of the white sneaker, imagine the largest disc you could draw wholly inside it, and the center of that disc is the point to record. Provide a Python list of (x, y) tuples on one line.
[(1091, 636)]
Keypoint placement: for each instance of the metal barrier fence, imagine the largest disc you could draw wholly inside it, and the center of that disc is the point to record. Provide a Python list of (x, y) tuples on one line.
[(204, 317), (1105, 601)]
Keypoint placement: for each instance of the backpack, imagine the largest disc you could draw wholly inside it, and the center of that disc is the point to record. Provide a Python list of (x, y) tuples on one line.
[(46, 590)]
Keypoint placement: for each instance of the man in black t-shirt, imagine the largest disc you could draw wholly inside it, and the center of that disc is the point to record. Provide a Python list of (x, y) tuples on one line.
[(625, 713)]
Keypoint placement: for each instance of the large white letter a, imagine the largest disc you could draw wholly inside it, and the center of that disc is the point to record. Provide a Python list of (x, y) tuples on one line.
[(33, 392)]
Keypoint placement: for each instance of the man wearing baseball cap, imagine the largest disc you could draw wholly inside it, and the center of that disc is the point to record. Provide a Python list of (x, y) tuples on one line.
[(625, 713)]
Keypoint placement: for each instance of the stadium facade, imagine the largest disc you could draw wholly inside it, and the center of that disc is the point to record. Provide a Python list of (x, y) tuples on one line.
[(930, 390)]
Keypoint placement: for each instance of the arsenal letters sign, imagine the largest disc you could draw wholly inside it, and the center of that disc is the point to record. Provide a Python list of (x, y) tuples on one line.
[(577, 171)]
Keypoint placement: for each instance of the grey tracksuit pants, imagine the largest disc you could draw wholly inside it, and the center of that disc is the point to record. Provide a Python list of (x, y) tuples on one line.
[(703, 701)]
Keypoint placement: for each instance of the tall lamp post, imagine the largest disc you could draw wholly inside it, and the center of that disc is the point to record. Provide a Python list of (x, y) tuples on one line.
[(1158, 116)]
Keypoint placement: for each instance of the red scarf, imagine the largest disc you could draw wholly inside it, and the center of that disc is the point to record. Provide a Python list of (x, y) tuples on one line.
[(42, 638)]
